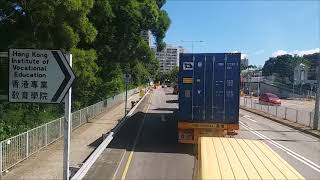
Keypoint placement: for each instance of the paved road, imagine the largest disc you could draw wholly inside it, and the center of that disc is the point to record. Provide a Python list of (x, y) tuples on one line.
[(157, 154), (300, 150), (299, 104), (146, 147)]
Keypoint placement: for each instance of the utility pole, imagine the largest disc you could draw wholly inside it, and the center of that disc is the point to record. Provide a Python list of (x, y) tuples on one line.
[(258, 87), (317, 103)]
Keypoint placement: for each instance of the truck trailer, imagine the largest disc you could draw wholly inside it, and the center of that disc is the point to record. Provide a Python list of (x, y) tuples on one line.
[(209, 88)]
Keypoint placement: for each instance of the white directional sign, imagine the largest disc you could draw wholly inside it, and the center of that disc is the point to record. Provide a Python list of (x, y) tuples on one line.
[(188, 66), (39, 76)]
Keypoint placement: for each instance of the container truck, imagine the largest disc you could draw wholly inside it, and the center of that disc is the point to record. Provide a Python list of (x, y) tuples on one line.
[(209, 85), (209, 88)]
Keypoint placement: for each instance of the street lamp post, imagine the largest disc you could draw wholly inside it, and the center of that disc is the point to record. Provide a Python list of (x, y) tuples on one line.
[(193, 60), (317, 103), (294, 81), (192, 42)]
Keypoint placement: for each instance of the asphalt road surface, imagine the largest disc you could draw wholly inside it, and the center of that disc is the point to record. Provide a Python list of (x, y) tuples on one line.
[(299, 104), (300, 150), (156, 153), (146, 146)]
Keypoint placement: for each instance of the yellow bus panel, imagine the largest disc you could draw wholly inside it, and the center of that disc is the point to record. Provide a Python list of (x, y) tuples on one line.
[(231, 158)]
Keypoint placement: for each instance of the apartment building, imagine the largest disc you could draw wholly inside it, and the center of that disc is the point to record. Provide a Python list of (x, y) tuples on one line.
[(146, 35), (168, 57), (245, 62)]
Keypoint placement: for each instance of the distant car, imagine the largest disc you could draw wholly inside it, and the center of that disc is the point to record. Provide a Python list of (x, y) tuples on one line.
[(270, 99)]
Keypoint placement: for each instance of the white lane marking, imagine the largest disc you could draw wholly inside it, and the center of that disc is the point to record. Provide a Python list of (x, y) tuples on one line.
[(163, 119), (295, 155), (249, 118), (116, 172)]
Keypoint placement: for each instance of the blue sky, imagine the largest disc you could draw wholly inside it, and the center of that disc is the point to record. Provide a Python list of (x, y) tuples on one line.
[(259, 29)]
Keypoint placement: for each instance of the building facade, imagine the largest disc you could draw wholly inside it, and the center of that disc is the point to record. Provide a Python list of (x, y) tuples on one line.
[(168, 57), (304, 75), (146, 35), (244, 62)]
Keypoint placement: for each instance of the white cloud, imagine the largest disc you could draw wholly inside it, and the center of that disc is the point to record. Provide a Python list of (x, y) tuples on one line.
[(297, 52), (279, 53), (305, 52), (243, 55)]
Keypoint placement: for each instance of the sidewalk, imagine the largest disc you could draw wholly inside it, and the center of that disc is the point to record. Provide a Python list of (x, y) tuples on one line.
[(47, 164)]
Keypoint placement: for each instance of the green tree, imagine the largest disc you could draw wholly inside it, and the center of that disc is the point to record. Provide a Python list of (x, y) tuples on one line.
[(171, 75), (140, 74), (119, 39), (103, 36), (50, 24), (283, 66), (86, 70), (312, 64), (252, 66)]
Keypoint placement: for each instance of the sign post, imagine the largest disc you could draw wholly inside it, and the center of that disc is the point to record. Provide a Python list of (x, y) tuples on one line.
[(127, 78), (67, 130), (43, 76)]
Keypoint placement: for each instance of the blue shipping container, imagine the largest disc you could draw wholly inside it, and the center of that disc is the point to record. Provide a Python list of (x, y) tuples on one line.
[(209, 88)]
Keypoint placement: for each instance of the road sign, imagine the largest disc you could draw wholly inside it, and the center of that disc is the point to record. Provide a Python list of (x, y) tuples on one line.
[(38, 76), (127, 78)]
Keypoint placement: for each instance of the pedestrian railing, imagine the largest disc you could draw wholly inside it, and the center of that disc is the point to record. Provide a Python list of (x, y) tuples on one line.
[(294, 115), (20, 147)]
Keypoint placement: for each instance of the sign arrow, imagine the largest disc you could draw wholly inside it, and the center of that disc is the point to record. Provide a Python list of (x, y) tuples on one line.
[(187, 66), (67, 75), (38, 76)]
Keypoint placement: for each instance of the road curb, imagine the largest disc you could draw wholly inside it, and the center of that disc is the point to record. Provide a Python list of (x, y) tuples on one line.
[(290, 124)]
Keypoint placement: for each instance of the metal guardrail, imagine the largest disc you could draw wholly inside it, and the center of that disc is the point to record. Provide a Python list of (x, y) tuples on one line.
[(294, 115), (18, 148)]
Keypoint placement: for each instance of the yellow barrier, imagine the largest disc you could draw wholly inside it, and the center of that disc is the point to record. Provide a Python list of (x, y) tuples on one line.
[(141, 93)]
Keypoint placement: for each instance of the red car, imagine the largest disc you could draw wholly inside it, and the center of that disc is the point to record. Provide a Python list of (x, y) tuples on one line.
[(269, 98)]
